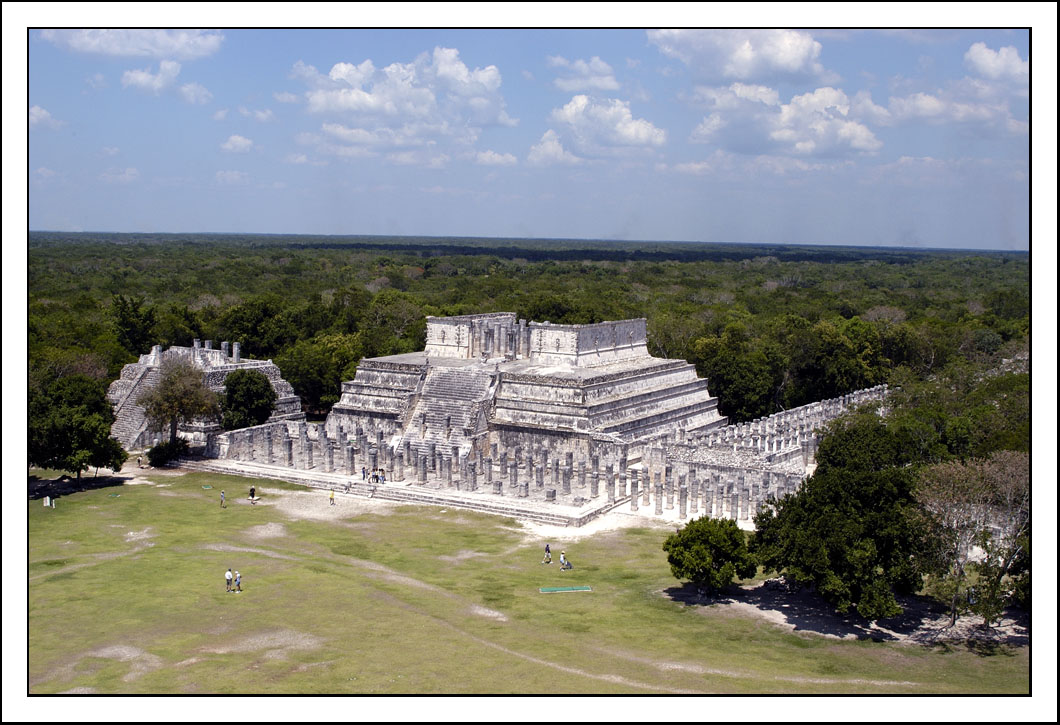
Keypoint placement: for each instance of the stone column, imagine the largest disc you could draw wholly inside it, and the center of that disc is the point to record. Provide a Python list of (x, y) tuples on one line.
[(329, 456), (566, 476), (621, 480), (658, 494), (489, 470), (539, 472), (399, 467), (683, 501), (268, 447), (645, 486), (609, 472), (498, 488), (581, 474), (594, 484), (423, 469), (472, 476), (288, 450), (555, 472), (448, 471), (694, 486), (513, 474), (669, 488), (634, 490)]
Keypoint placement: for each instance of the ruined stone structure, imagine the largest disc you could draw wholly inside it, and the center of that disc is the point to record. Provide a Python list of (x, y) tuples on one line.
[(130, 426), (556, 423)]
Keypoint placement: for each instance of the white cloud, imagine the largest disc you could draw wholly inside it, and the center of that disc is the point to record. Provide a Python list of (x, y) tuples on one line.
[(285, 97), (591, 75), (237, 144), (600, 126), (195, 93), (492, 158), (945, 107), (1004, 64), (262, 115), (436, 99), (120, 176), (752, 120), (182, 44), (297, 159), (232, 177), (220, 115), (97, 81), (743, 54), (40, 117), (550, 151), (147, 81)]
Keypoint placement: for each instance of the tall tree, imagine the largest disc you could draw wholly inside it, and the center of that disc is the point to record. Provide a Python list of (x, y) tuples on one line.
[(180, 396), (248, 399), (134, 322), (851, 530), (709, 552), (69, 425)]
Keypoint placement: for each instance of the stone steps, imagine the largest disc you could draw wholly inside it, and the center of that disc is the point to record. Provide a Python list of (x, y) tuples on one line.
[(472, 501)]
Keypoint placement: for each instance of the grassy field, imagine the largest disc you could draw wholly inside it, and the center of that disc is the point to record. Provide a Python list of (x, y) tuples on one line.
[(126, 595)]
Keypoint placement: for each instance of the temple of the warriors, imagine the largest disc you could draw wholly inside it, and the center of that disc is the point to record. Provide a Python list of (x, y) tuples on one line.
[(131, 427), (540, 421)]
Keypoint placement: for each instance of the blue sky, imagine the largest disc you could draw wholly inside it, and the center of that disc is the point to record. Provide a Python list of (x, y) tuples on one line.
[(912, 138)]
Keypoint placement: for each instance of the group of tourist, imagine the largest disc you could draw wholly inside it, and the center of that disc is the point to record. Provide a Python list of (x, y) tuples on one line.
[(233, 582), (564, 562), (376, 475)]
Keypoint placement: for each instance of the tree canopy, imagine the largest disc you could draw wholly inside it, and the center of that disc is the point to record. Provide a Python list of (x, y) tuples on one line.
[(852, 530), (180, 396), (710, 552), (69, 425), (248, 399)]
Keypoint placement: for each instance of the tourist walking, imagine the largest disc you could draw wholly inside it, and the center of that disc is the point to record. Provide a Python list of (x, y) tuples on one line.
[(564, 562), (228, 580), (223, 500), (364, 473), (332, 496), (548, 555), (253, 500), (239, 583)]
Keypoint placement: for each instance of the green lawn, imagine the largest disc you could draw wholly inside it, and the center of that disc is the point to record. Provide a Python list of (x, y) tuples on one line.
[(126, 595)]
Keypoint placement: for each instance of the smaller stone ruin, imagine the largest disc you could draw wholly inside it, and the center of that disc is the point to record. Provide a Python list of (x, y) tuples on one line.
[(131, 427)]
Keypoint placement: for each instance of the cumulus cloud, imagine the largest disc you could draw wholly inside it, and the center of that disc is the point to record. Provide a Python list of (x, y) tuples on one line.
[(181, 44), (492, 158), (601, 126), (752, 120), (120, 176), (1004, 64), (220, 115), (285, 97), (744, 54), (232, 177), (549, 151), (41, 118), (152, 82), (258, 115), (435, 99), (237, 144), (581, 75), (97, 81), (195, 93), (945, 107)]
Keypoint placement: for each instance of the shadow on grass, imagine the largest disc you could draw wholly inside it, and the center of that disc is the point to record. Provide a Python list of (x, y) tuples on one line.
[(805, 610), (66, 485)]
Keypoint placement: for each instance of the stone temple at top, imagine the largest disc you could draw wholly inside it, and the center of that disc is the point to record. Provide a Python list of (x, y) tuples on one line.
[(490, 379)]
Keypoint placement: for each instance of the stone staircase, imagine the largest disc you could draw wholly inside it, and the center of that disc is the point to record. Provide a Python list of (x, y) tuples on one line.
[(445, 407), (469, 500), (129, 421)]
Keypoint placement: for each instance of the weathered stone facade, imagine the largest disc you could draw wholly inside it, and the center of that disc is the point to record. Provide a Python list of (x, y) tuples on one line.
[(130, 426), (556, 423)]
